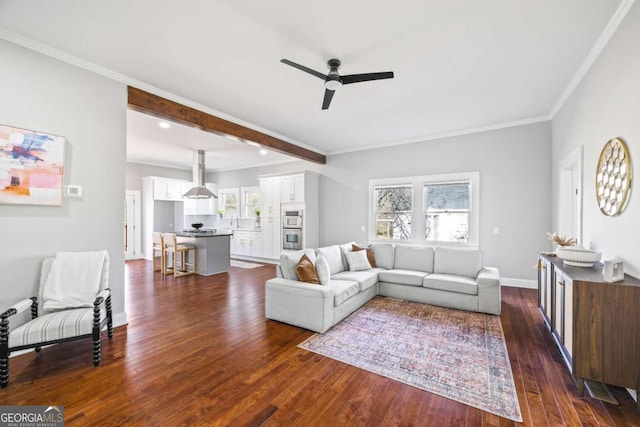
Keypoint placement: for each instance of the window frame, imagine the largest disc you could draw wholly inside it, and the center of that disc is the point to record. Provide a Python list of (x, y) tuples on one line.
[(410, 212), (418, 214)]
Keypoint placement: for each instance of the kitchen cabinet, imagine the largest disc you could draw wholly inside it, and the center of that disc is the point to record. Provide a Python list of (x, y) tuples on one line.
[(247, 243), (292, 188), (167, 189), (202, 206), (270, 196), (290, 191), (595, 324)]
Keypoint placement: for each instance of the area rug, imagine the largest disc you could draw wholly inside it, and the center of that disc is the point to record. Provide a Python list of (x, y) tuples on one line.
[(242, 264), (456, 354)]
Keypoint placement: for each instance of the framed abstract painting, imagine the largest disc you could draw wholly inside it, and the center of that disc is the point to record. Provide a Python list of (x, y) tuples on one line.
[(31, 167)]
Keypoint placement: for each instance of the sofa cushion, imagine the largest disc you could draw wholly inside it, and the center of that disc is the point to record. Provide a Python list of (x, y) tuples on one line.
[(370, 256), (333, 256), (451, 283), (344, 250), (365, 279), (289, 262), (343, 290), (306, 271), (322, 268), (402, 277), (414, 258), (383, 253), (461, 262), (358, 261)]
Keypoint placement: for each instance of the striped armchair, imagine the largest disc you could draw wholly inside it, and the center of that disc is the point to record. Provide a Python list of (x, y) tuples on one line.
[(53, 326)]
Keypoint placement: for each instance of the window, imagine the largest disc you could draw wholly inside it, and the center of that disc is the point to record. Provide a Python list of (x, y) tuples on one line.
[(447, 211), (250, 201), (393, 206), (430, 209)]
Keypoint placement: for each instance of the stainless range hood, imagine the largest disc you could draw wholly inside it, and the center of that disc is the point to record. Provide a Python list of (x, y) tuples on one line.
[(199, 191)]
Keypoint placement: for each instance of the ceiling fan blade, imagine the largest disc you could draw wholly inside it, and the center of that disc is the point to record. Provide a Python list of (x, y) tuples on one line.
[(305, 69), (356, 78), (328, 95)]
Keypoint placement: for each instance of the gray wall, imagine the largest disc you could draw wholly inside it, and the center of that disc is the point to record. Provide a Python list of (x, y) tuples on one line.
[(515, 177), (137, 171), (605, 105), (44, 94)]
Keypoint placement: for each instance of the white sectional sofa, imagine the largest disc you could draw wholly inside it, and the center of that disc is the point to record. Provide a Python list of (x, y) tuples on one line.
[(440, 276)]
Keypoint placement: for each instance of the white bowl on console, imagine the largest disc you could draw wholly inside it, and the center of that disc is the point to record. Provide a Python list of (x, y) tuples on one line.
[(577, 256)]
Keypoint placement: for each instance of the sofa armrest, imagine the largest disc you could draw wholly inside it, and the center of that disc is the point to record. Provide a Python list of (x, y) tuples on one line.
[(301, 304), (489, 295)]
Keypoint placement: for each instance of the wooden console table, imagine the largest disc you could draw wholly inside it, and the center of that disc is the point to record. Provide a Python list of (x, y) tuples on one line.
[(596, 324)]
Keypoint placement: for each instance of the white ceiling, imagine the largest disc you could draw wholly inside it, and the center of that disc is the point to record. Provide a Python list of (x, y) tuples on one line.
[(458, 64), (174, 147)]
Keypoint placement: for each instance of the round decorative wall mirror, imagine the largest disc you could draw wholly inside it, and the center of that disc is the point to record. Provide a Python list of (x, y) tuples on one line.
[(613, 177)]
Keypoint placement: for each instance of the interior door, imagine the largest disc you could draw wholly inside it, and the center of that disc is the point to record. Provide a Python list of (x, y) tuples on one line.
[(132, 226)]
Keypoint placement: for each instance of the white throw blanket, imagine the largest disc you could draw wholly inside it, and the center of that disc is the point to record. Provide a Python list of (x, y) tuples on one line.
[(74, 280)]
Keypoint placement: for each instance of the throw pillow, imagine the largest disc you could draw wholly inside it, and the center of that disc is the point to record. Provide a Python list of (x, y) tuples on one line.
[(358, 261), (322, 268), (306, 271), (370, 256)]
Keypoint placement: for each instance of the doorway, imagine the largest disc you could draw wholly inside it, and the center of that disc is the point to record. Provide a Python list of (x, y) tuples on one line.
[(570, 196), (132, 226)]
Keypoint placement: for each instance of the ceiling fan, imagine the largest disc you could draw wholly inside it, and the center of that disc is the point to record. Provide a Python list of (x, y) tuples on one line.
[(333, 80)]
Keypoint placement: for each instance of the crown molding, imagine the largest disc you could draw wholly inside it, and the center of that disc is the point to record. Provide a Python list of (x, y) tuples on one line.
[(594, 53), (443, 135)]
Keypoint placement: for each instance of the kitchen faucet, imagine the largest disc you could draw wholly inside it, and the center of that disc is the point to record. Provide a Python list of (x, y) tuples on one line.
[(236, 218)]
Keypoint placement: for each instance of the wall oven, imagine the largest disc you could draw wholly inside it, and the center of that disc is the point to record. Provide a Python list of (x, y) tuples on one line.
[(292, 219), (292, 238), (292, 230)]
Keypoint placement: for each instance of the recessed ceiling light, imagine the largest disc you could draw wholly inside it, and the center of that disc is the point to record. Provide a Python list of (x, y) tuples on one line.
[(164, 125), (263, 152)]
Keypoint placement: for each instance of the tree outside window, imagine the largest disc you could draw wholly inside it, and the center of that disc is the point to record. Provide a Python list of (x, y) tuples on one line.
[(447, 211), (394, 205)]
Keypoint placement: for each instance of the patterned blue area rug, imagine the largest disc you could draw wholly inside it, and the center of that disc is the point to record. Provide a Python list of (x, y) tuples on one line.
[(456, 354)]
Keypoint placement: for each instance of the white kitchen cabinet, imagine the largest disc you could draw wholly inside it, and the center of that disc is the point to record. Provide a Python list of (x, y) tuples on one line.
[(271, 237), (292, 188), (247, 243), (270, 196), (167, 189)]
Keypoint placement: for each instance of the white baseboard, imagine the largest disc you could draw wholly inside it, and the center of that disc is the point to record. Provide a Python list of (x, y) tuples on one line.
[(519, 283)]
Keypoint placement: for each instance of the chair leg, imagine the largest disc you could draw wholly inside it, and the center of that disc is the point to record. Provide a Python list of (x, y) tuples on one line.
[(4, 371), (109, 317), (4, 353), (95, 334)]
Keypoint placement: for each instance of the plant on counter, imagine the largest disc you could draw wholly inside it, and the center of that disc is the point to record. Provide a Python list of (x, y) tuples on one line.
[(258, 213), (221, 212)]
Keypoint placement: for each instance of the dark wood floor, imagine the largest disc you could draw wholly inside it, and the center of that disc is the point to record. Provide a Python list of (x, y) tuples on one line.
[(198, 351)]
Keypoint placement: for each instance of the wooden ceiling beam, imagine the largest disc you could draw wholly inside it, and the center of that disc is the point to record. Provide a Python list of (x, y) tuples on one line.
[(148, 103)]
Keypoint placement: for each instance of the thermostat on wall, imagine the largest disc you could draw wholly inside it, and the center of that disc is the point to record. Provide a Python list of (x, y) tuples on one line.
[(613, 270), (73, 190)]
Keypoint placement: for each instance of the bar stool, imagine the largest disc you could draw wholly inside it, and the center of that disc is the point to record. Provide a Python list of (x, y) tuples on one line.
[(178, 253), (157, 246)]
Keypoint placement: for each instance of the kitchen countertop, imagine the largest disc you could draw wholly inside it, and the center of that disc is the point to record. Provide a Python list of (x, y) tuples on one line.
[(216, 234)]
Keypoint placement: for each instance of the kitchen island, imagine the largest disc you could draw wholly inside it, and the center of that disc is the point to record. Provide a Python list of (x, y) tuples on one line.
[(213, 254)]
